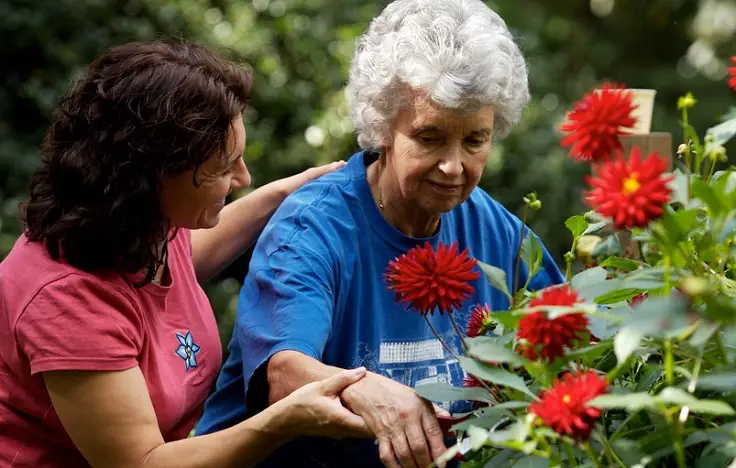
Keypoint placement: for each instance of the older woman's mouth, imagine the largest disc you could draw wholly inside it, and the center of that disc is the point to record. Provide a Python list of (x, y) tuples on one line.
[(445, 189)]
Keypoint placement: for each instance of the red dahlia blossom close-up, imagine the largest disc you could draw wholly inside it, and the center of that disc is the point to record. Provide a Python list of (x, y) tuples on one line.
[(425, 280), (540, 336), (479, 321), (596, 122), (732, 74), (631, 192), (563, 407)]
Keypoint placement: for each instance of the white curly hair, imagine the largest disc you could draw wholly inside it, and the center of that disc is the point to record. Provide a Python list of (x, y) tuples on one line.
[(459, 52)]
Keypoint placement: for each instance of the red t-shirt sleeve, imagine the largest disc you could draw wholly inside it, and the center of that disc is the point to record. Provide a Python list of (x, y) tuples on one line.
[(79, 323)]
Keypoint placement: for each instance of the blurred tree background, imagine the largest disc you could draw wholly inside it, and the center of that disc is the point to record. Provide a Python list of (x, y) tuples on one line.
[(299, 51)]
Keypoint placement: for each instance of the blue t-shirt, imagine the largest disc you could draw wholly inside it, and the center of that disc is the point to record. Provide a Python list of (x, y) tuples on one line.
[(315, 285)]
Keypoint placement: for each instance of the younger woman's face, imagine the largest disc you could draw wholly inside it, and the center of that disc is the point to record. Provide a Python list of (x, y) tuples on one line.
[(191, 206)]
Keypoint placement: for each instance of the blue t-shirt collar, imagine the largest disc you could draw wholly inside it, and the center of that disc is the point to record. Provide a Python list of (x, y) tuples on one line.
[(357, 168)]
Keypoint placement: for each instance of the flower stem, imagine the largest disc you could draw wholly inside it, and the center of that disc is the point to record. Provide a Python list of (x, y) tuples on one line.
[(721, 347), (570, 455), (589, 450), (669, 362), (517, 266), (457, 330), (609, 450), (677, 436)]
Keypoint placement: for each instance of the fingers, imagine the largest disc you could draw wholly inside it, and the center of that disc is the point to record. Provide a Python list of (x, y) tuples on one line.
[(386, 452), (418, 443), (433, 433), (325, 169), (353, 426), (337, 383), (440, 412)]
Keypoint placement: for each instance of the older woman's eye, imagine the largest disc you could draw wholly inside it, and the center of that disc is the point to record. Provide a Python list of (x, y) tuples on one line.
[(475, 142)]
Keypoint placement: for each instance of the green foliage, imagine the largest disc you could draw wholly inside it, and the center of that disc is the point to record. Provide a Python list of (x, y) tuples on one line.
[(299, 51)]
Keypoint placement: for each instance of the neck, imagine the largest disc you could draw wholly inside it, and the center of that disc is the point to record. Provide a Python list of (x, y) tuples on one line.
[(406, 216)]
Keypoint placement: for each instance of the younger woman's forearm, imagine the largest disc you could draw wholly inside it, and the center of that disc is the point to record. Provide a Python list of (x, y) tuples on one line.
[(240, 446)]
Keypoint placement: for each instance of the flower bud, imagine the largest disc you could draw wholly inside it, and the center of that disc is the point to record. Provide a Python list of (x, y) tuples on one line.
[(687, 101), (694, 286), (683, 150), (716, 152), (536, 205)]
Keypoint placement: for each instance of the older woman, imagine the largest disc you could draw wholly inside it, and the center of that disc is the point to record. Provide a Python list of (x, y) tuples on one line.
[(108, 346), (432, 83)]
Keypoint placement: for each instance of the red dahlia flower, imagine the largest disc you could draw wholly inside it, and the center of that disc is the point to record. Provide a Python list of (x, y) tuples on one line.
[(424, 280), (732, 74), (547, 338), (479, 321), (563, 407), (594, 125), (632, 192)]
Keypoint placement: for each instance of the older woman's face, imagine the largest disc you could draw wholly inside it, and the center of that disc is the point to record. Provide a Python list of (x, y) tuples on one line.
[(193, 206), (438, 154)]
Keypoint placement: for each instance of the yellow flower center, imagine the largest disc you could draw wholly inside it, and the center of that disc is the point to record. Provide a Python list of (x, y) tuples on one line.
[(566, 399), (631, 184)]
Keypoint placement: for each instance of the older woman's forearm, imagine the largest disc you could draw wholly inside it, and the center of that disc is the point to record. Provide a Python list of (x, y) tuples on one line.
[(290, 370), (240, 224)]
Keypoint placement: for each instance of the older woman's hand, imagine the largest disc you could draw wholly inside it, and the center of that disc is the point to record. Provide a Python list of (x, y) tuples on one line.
[(404, 424), (315, 409), (290, 184)]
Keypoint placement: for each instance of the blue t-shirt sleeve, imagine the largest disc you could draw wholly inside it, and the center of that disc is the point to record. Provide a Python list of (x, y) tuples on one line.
[(287, 299), (549, 273)]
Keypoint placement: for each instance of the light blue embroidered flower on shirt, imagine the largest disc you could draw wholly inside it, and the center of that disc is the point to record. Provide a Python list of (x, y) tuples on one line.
[(187, 349)]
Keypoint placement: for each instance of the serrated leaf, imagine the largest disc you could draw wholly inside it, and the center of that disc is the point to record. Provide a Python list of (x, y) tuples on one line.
[(707, 194), (619, 263), (443, 392), (628, 401), (496, 277), (577, 225), (591, 276), (625, 342), (486, 348), (531, 461), (595, 227), (532, 253), (494, 375)]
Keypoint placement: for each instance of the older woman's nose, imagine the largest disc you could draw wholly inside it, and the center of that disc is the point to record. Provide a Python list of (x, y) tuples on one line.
[(241, 176), (451, 163)]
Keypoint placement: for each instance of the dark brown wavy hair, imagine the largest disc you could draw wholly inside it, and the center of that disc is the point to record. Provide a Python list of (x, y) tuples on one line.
[(143, 111)]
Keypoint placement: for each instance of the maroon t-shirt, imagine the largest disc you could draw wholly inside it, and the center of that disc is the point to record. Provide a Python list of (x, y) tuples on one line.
[(56, 317)]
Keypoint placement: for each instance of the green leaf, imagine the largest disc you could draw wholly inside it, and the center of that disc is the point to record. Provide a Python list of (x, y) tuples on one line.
[(487, 349), (619, 263), (702, 334), (532, 253), (494, 374), (679, 187), (501, 458), (589, 352), (678, 396), (487, 417), (587, 279), (720, 381), (628, 401), (496, 277), (708, 195), (595, 227), (723, 131), (616, 296), (531, 461), (443, 392), (577, 225), (478, 437), (625, 342), (646, 279)]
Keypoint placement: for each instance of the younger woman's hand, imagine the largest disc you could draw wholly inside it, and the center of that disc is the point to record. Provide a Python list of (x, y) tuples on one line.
[(315, 409)]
